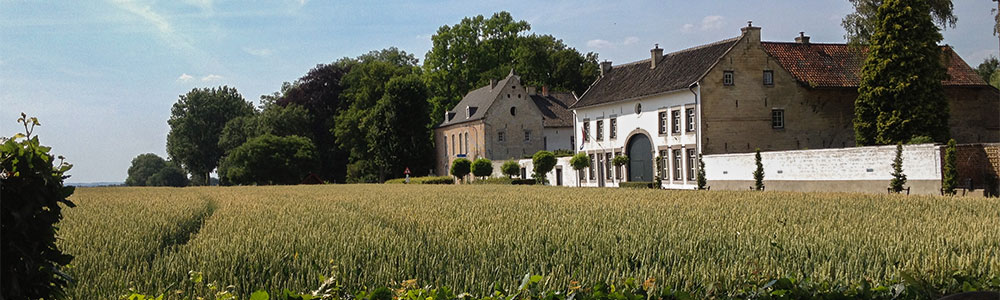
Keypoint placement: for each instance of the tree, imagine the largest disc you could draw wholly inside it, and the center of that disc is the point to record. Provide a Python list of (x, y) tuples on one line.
[(702, 181), (32, 190), (898, 178), (579, 162), (543, 162), (658, 179), (901, 95), (620, 161), (270, 159), (196, 123), (864, 21), (460, 167), (987, 69), (398, 136), (170, 175), (482, 167), (144, 166), (758, 174), (950, 180), (467, 55), (237, 131), (510, 168)]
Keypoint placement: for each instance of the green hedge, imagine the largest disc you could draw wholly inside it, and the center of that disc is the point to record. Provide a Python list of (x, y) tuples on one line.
[(494, 180), (523, 182), (637, 184), (423, 180)]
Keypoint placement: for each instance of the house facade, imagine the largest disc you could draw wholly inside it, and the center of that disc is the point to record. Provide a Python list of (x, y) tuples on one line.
[(740, 94), (503, 120)]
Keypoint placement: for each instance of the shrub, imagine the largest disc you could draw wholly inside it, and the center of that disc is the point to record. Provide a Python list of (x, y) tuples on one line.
[(658, 179), (482, 167), (510, 168), (637, 184), (898, 178), (758, 174), (920, 139), (950, 180), (543, 162), (523, 182), (423, 180), (579, 162), (494, 180), (562, 152), (702, 181), (460, 167), (170, 175), (270, 159), (143, 167), (32, 188)]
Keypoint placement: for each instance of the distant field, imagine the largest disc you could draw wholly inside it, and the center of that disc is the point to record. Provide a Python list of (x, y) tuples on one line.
[(470, 237)]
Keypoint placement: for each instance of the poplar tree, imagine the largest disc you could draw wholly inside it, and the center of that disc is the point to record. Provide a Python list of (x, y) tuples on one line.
[(900, 95)]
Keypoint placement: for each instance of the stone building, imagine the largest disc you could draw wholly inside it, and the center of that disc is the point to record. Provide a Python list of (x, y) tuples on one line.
[(504, 120), (739, 94)]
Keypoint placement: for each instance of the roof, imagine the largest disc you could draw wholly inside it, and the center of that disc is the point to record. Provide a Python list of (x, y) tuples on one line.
[(555, 109), (676, 70), (478, 100), (839, 65)]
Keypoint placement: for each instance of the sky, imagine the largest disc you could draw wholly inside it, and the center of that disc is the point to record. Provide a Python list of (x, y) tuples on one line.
[(101, 76)]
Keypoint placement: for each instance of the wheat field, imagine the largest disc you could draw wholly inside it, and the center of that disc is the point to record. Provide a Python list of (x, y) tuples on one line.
[(470, 237)]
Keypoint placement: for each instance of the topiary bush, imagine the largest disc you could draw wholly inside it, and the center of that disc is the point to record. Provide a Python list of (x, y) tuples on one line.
[(637, 184), (31, 186), (423, 180), (543, 162), (898, 178), (510, 168), (461, 167), (758, 174), (950, 180), (482, 167)]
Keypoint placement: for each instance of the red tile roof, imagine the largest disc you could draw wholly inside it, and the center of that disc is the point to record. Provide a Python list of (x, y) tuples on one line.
[(838, 65)]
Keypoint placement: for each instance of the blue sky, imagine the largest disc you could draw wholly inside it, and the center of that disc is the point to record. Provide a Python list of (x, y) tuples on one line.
[(102, 75)]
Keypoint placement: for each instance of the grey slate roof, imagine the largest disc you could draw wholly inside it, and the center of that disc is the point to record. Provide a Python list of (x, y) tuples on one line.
[(676, 70), (481, 99), (555, 109)]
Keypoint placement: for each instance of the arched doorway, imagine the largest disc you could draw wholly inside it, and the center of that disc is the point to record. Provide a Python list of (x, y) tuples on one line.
[(640, 158)]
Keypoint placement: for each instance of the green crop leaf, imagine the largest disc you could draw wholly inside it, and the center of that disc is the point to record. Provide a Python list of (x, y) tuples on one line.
[(259, 295)]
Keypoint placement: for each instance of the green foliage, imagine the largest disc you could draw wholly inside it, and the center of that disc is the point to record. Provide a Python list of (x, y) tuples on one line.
[(580, 161), (898, 178), (523, 182), (270, 159), (510, 168), (562, 152), (950, 180), (31, 186), (144, 166), (460, 167), (423, 180), (237, 131), (922, 139), (542, 163), (196, 124), (495, 180), (467, 55), (658, 179), (863, 22), (758, 173), (637, 184), (482, 167), (620, 160), (702, 181), (900, 95), (987, 68), (170, 175)]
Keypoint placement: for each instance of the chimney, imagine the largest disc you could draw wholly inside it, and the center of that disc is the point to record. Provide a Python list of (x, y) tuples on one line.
[(605, 67), (545, 91), (752, 33), (656, 54), (802, 38), (531, 90), (446, 116), (493, 83)]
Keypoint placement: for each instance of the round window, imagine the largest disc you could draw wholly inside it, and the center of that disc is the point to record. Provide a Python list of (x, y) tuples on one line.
[(638, 108), (513, 110)]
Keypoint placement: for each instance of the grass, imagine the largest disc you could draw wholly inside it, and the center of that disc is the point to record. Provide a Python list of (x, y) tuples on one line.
[(469, 237)]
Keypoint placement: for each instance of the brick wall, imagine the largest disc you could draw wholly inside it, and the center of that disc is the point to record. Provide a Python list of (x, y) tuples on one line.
[(977, 162)]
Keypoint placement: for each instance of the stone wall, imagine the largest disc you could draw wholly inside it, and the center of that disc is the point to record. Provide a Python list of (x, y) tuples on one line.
[(977, 163)]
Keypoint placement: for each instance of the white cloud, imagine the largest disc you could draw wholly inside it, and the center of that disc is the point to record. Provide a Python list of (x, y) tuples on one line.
[(687, 28), (630, 40), (211, 77), (185, 77), (599, 44), (712, 22), (262, 52)]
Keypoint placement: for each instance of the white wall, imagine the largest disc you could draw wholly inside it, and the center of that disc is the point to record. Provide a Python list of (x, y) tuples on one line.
[(920, 162), (558, 138), (569, 175)]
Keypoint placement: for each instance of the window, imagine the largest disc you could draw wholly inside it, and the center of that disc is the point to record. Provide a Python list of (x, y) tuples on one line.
[(459, 143), (768, 77), (466, 142), (618, 169), (613, 133), (513, 111), (677, 164), (777, 118), (572, 141), (607, 166), (586, 130), (692, 163), (453, 144), (676, 114), (727, 78), (663, 159), (600, 130), (446, 146), (690, 119), (527, 135), (638, 108), (663, 122), (500, 136), (590, 170)]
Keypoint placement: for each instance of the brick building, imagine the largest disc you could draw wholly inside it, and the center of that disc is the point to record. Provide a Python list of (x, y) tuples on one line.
[(740, 94)]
